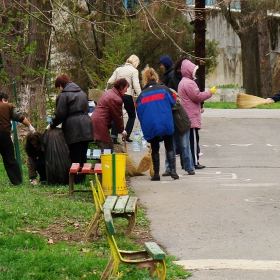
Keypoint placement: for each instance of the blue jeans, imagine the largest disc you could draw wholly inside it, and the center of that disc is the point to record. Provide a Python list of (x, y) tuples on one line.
[(184, 142)]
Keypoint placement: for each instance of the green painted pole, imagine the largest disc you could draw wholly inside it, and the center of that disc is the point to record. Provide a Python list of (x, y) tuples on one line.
[(15, 130), (114, 173)]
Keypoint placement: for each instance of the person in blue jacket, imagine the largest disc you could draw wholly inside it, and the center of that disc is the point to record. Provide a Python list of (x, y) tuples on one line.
[(154, 111)]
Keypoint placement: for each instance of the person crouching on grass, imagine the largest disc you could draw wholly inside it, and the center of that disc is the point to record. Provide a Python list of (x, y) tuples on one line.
[(36, 162)]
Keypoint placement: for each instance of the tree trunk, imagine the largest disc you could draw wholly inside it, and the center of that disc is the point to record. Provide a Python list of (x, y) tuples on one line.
[(33, 86), (264, 57), (257, 78), (200, 30), (250, 60), (251, 27)]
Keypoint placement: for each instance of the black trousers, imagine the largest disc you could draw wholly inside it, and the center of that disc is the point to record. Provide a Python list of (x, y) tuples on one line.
[(78, 154), (168, 143), (8, 154), (130, 109), (40, 166)]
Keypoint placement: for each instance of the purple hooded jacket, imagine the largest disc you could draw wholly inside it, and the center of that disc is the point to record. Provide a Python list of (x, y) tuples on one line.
[(190, 95)]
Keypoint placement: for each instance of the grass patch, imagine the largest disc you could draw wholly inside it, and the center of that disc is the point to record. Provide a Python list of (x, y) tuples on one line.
[(42, 229), (232, 105), (220, 105)]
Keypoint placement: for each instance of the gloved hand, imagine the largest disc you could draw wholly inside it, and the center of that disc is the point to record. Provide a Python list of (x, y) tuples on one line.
[(31, 128), (48, 127), (213, 90), (269, 101)]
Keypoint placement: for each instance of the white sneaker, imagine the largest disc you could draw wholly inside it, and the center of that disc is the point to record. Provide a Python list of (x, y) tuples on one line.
[(34, 182)]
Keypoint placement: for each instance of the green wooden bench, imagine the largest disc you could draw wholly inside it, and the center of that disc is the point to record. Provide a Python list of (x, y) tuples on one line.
[(153, 257), (120, 207)]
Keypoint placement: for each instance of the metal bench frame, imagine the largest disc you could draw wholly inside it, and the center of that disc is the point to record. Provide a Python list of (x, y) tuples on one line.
[(151, 258), (120, 207), (85, 170)]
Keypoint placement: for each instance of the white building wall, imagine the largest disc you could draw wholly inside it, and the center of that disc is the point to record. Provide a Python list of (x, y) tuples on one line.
[(229, 70)]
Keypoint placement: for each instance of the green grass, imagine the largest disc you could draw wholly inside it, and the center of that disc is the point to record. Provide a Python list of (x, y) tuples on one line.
[(232, 105), (220, 105), (41, 235)]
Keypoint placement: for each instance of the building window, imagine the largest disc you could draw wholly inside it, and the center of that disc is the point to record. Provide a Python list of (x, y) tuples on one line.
[(233, 4), (130, 4)]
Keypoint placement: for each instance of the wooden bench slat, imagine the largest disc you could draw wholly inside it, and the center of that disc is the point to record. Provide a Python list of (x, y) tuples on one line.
[(110, 202), (131, 204), (86, 168), (154, 251), (120, 205), (97, 168), (109, 221), (74, 167)]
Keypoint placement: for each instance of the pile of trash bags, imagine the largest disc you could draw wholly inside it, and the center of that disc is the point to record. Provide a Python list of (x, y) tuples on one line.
[(56, 156)]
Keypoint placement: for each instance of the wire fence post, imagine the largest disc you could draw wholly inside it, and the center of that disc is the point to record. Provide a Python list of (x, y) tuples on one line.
[(15, 130)]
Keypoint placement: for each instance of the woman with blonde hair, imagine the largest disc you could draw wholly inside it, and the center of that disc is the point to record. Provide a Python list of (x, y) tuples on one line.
[(154, 110), (130, 73)]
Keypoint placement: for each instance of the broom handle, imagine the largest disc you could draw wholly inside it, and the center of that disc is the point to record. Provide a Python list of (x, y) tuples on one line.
[(124, 142), (124, 138)]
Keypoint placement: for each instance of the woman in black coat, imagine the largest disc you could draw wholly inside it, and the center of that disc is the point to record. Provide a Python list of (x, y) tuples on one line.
[(72, 112)]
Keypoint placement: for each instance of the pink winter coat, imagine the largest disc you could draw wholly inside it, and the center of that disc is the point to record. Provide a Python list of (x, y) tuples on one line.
[(190, 95)]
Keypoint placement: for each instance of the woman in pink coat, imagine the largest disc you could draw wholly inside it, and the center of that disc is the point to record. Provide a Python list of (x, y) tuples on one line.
[(191, 99)]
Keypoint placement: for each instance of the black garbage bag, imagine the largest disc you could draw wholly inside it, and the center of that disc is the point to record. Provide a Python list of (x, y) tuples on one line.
[(57, 157)]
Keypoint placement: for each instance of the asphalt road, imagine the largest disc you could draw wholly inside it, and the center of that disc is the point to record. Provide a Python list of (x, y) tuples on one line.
[(223, 222)]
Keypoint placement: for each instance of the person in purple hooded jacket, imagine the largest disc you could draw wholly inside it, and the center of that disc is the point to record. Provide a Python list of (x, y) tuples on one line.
[(191, 98)]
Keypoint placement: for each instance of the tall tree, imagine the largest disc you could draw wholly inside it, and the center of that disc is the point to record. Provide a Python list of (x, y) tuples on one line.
[(33, 77), (25, 49), (11, 45), (86, 38), (251, 26), (200, 30)]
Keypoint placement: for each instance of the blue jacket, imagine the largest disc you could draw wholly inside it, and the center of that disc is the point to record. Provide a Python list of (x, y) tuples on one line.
[(154, 110)]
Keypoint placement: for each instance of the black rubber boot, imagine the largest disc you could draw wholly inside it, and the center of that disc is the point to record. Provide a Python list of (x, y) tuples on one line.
[(171, 160), (155, 158)]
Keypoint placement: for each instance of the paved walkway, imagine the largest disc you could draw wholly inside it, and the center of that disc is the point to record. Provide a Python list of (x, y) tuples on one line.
[(223, 222)]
